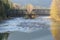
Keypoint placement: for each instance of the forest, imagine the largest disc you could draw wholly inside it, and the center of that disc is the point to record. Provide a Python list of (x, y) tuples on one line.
[(4, 8)]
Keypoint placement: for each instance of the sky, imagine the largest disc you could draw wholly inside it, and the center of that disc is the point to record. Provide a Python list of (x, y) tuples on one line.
[(43, 3)]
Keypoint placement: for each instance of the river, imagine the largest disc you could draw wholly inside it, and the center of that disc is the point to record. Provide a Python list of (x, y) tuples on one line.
[(27, 29)]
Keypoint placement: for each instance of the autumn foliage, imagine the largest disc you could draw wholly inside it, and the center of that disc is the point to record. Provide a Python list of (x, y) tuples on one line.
[(55, 10), (29, 8), (55, 15), (30, 13)]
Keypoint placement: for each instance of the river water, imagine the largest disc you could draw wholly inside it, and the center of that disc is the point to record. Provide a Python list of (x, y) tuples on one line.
[(27, 29)]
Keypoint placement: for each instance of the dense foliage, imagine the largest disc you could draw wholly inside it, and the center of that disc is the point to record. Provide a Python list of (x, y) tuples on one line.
[(55, 10), (55, 15), (4, 7)]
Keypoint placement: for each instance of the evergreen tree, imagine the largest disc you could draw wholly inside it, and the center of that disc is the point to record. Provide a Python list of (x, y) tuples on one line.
[(4, 7)]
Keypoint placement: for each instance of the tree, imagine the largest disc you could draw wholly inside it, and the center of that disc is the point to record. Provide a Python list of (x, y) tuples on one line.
[(30, 13), (55, 15), (4, 7), (29, 8)]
